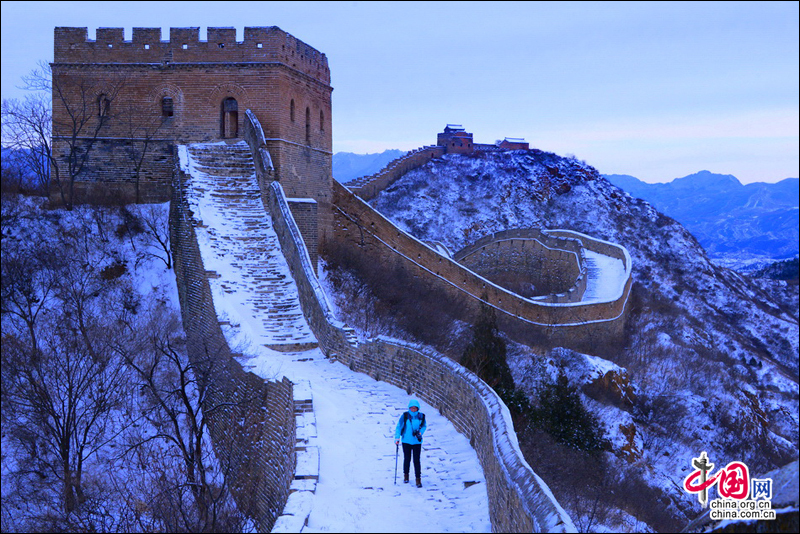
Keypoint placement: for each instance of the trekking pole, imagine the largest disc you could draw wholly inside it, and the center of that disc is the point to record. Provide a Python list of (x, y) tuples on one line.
[(396, 451)]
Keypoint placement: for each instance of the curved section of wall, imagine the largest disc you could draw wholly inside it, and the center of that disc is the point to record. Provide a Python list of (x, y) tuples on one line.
[(598, 245), (358, 225), (514, 258), (251, 422), (519, 500), (368, 187)]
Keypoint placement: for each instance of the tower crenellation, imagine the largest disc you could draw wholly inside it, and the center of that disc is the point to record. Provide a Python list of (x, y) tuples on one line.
[(260, 44)]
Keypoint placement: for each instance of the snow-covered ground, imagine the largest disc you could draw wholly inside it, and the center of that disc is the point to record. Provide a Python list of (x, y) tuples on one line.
[(606, 277)]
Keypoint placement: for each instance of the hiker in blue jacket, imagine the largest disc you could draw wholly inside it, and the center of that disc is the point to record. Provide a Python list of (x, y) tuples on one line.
[(409, 430)]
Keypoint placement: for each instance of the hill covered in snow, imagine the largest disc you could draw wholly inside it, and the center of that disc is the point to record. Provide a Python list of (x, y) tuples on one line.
[(710, 355)]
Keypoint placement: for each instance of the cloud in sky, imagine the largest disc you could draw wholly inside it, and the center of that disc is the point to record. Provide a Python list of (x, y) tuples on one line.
[(654, 89)]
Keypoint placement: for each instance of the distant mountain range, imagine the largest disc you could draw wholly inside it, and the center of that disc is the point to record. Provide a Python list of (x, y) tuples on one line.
[(730, 220), (349, 166)]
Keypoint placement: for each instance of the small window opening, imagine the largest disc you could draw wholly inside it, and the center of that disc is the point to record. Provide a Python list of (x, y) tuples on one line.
[(291, 110), (221, 45), (103, 105), (260, 45), (167, 107), (147, 47), (308, 125), (185, 46), (110, 45), (321, 121)]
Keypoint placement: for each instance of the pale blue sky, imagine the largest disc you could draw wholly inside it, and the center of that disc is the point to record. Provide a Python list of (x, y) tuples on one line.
[(655, 90)]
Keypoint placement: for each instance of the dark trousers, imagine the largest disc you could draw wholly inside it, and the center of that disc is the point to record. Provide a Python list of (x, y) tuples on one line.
[(407, 450)]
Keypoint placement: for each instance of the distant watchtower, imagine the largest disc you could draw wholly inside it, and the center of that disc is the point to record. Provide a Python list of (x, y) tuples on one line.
[(135, 100), (455, 139)]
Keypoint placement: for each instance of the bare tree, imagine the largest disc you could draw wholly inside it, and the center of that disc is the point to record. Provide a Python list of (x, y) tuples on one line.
[(27, 129), (27, 288), (60, 380), (83, 107), (65, 397), (192, 493), (156, 226)]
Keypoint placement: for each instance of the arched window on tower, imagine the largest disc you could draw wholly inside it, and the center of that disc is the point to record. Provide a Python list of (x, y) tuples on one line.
[(103, 106), (308, 125), (167, 108), (291, 110), (230, 118), (321, 121)]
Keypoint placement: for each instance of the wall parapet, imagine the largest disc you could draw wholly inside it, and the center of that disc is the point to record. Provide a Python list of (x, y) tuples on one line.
[(264, 44), (251, 421), (255, 139), (368, 187), (548, 241)]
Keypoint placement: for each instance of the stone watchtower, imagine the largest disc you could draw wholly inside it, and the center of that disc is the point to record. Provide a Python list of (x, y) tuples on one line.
[(455, 139), (120, 107)]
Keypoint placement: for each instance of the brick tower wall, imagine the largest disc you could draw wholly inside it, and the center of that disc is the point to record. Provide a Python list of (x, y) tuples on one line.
[(285, 83)]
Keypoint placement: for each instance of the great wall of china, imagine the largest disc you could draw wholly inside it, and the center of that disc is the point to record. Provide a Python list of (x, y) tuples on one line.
[(272, 171)]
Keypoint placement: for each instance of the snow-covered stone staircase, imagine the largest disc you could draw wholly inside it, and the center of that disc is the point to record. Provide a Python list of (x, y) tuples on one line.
[(605, 277), (241, 251)]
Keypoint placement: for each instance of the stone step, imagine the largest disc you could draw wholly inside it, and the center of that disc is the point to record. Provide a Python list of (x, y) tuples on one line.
[(226, 175)]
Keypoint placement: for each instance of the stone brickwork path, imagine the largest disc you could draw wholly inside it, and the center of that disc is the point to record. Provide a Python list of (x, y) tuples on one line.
[(605, 277), (346, 420), (242, 255)]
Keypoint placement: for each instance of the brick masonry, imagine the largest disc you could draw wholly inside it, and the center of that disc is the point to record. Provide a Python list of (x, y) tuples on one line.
[(368, 187), (251, 422), (514, 259), (365, 232)]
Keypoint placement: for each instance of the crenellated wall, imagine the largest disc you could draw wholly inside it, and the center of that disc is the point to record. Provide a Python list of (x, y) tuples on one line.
[(516, 259), (368, 187), (251, 421), (260, 44)]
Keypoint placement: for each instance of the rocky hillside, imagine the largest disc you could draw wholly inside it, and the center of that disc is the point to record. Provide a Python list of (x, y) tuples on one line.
[(711, 356)]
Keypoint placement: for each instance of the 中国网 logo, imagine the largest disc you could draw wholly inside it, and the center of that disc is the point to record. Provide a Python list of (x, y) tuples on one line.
[(740, 496)]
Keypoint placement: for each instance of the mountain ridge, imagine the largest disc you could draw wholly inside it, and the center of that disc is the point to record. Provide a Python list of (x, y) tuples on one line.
[(756, 220)]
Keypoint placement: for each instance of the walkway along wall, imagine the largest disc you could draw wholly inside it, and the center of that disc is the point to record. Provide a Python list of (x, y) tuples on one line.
[(519, 501), (251, 422), (557, 265)]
